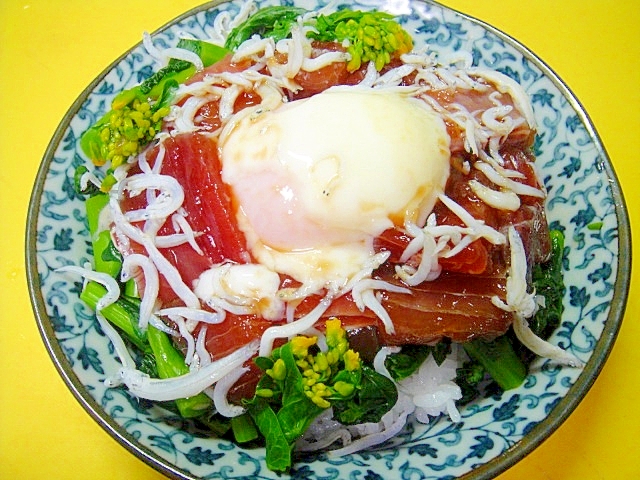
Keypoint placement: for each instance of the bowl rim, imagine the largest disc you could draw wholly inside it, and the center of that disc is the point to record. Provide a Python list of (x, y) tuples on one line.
[(535, 437), (576, 393)]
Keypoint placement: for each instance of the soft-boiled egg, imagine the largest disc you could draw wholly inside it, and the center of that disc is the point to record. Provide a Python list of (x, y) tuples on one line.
[(316, 180)]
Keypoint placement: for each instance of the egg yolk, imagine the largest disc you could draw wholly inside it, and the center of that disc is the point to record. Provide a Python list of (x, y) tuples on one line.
[(315, 180)]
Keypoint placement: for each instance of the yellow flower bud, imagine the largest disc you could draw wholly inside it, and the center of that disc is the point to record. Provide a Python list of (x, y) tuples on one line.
[(351, 360), (320, 389), (321, 363), (332, 357), (300, 345), (278, 371), (334, 332), (264, 392), (321, 402), (343, 388)]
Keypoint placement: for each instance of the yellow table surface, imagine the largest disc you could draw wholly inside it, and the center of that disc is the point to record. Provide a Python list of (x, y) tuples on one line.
[(50, 50)]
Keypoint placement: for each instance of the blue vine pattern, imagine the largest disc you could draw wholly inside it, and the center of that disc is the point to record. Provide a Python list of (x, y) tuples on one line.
[(580, 203)]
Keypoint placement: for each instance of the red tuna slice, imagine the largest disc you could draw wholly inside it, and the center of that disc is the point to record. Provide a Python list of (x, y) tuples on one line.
[(456, 306), (192, 159)]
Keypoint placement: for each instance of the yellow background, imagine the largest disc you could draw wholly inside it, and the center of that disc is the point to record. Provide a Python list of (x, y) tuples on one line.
[(50, 50)]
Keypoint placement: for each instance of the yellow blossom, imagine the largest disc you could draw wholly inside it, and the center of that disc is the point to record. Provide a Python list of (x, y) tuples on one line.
[(351, 360), (300, 345), (278, 371)]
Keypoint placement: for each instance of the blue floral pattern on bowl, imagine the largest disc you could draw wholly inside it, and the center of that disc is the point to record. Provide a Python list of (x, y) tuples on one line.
[(584, 201)]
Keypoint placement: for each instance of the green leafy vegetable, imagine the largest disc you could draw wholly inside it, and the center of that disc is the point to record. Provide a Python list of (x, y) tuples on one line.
[(548, 282), (136, 114), (176, 71), (122, 132), (468, 378), (215, 423), (89, 189), (107, 258), (505, 359), (374, 397), (404, 363), (499, 359), (278, 455), (170, 363), (123, 313), (300, 382), (148, 364), (298, 408), (155, 345), (244, 430), (275, 22), (372, 36)]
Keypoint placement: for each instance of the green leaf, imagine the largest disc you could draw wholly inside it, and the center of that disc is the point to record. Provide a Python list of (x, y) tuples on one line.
[(123, 313), (110, 253), (98, 142), (148, 364), (404, 363), (170, 363), (548, 282), (375, 396), (209, 53), (500, 360), (215, 422), (278, 448), (297, 410), (274, 22), (468, 378), (244, 430), (264, 363), (107, 258), (165, 97), (372, 36), (90, 188), (300, 382), (441, 350), (180, 70)]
